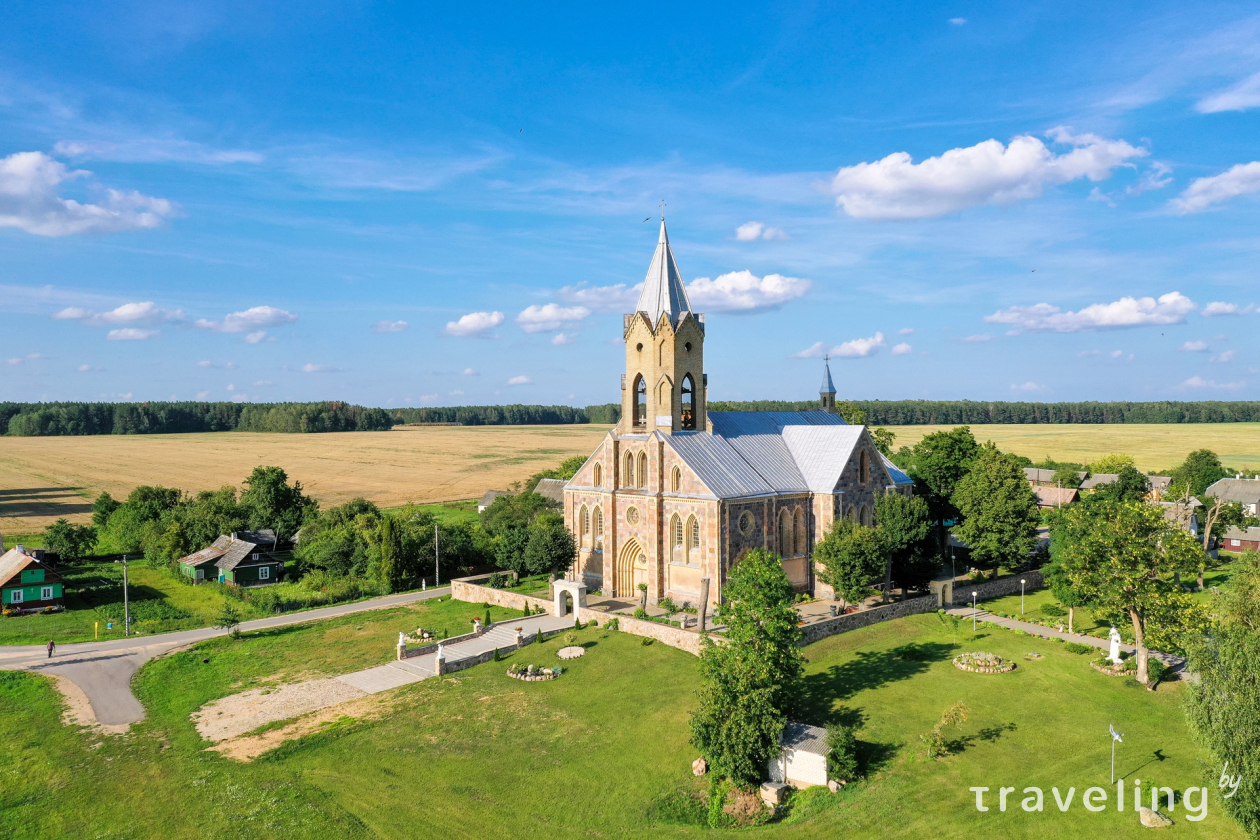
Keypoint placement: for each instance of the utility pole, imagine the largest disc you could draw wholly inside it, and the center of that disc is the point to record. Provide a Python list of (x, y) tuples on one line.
[(126, 602), (437, 557)]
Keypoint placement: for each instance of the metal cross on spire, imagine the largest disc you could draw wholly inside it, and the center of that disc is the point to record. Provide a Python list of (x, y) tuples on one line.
[(662, 209)]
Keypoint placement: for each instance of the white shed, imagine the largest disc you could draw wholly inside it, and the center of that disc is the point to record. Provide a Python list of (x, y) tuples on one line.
[(802, 759)]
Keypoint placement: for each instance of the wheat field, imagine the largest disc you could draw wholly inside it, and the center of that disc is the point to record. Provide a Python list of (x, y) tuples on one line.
[(44, 478)]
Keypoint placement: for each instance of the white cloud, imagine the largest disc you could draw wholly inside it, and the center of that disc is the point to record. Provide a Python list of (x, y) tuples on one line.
[(474, 323), (15, 361), (551, 316), (1171, 308), (986, 173), (1027, 386), (390, 326), (1241, 179), (974, 339), (1115, 354), (520, 380), (906, 331), (848, 349), (618, 298), (1224, 356), (130, 334), (249, 320), (902, 349), (156, 150), (1217, 307), (312, 368), (957, 21), (203, 395), (146, 313), (262, 383), (1196, 346), (1200, 382), (469, 372), (752, 231), (1238, 97), (29, 201), (205, 363), (743, 291), (257, 337), (457, 393), (1085, 353), (231, 387), (87, 368), (562, 338)]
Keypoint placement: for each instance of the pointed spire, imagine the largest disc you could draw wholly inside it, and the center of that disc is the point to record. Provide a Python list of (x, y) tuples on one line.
[(663, 289), (828, 387)]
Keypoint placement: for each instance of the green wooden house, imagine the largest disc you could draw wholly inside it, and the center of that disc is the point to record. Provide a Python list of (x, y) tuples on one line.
[(243, 558), (26, 583)]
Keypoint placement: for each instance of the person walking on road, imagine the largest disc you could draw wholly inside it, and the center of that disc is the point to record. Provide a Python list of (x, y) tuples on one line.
[(51, 645)]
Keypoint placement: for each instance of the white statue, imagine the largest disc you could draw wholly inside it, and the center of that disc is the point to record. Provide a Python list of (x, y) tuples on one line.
[(441, 654), (402, 639), (1114, 654)]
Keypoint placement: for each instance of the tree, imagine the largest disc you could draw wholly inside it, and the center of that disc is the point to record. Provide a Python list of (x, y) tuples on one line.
[(1129, 486), (1066, 477), (70, 542), (1122, 556), (1201, 469), (551, 546), (1218, 513), (749, 684), (135, 522), (102, 509), (999, 511), (1223, 706), (842, 762), (906, 524), (853, 557), (271, 502), (1064, 591), (883, 440), (229, 619), (390, 546), (509, 549), (940, 461), (1112, 464)]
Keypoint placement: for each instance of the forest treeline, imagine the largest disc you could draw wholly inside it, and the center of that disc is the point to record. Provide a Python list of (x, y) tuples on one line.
[(69, 418), (74, 418)]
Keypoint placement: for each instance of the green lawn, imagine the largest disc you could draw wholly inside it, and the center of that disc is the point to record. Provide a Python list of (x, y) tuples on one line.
[(480, 755), (463, 512)]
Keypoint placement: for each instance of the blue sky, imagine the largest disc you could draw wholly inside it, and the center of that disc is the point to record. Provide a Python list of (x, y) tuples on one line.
[(398, 205)]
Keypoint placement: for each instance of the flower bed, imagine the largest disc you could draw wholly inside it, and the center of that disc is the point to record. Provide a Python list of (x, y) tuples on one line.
[(1126, 668), (571, 652), (980, 662), (533, 673)]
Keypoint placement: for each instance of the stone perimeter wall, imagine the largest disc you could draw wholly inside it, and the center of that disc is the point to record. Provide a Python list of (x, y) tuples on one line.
[(997, 588), (488, 656), (865, 618)]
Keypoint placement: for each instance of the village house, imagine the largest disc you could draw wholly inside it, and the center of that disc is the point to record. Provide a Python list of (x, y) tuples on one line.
[(488, 499), (243, 558), (1241, 539), (1245, 491), (26, 583), (1056, 497), (675, 493)]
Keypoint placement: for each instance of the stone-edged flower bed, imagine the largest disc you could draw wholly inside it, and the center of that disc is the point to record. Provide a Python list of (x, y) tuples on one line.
[(533, 673), (979, 662), (571, 652), (1125, 668)]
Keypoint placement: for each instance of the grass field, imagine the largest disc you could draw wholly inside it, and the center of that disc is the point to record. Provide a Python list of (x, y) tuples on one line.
[(1155, 446), (42, 478), (482, 756)]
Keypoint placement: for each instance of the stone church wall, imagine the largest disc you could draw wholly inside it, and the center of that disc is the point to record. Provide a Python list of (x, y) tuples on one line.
[(997, 588), (844, 623)]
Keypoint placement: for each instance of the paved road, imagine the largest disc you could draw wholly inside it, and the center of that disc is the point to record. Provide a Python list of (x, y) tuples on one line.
[(104, 669), (1174, 662)]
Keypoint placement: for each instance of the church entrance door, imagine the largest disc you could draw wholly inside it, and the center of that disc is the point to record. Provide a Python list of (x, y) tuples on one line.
[(623, 573)]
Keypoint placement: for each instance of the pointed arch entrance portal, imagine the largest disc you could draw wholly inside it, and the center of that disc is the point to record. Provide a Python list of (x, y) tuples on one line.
[(630, 560)]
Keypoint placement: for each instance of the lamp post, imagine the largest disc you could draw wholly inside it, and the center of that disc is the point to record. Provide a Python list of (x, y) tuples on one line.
[(973, 612), (1021, 595), (1116, 737), (437, 557), (126, 602)]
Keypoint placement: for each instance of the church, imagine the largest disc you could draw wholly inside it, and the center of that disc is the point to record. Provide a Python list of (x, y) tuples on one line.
[(676, 493)]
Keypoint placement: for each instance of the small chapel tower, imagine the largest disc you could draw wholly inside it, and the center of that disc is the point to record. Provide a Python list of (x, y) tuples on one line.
[(827, 391), (664, 386)]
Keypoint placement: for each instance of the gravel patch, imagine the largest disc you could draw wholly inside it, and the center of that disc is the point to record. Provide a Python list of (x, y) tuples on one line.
[(233, 716)]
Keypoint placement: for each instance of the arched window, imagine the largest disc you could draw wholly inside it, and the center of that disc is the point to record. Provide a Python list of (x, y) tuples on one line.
[(584, 523), (599, 528), (598, 475), (798, 525), (643, 476), (676, 539), (688, 402), (693, 540), (852, 514), (865, 516), (785, 534), (640, 401), (675, 479), (627, 474), (864, 468)]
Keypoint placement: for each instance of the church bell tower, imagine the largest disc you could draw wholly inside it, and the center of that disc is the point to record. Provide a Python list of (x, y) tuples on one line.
[(664, 386)]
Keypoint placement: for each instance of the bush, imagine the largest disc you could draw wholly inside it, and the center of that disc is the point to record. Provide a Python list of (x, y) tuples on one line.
[(717, 817), (1077, 647), (499, 580), (842, 761), (647, 640), (570, 639), (613, 624), (641, 613)]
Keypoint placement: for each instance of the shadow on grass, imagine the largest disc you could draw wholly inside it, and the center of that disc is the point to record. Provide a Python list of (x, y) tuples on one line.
[(866, 670)]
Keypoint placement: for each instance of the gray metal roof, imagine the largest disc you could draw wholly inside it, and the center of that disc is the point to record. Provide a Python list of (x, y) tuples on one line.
[(734, 423), (490, 496), (663, 289), (719, 466), (895, 472), (1098, 480), (822, 452), (1236, 533), (551, 488), (1245, 490), (804, 737), (240, 547), (827, 387)]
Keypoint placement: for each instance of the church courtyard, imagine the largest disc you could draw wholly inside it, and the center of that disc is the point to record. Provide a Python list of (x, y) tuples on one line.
[(601, 751)]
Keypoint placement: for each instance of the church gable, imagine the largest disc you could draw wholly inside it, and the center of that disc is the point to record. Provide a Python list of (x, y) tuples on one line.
[(596, 472)]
